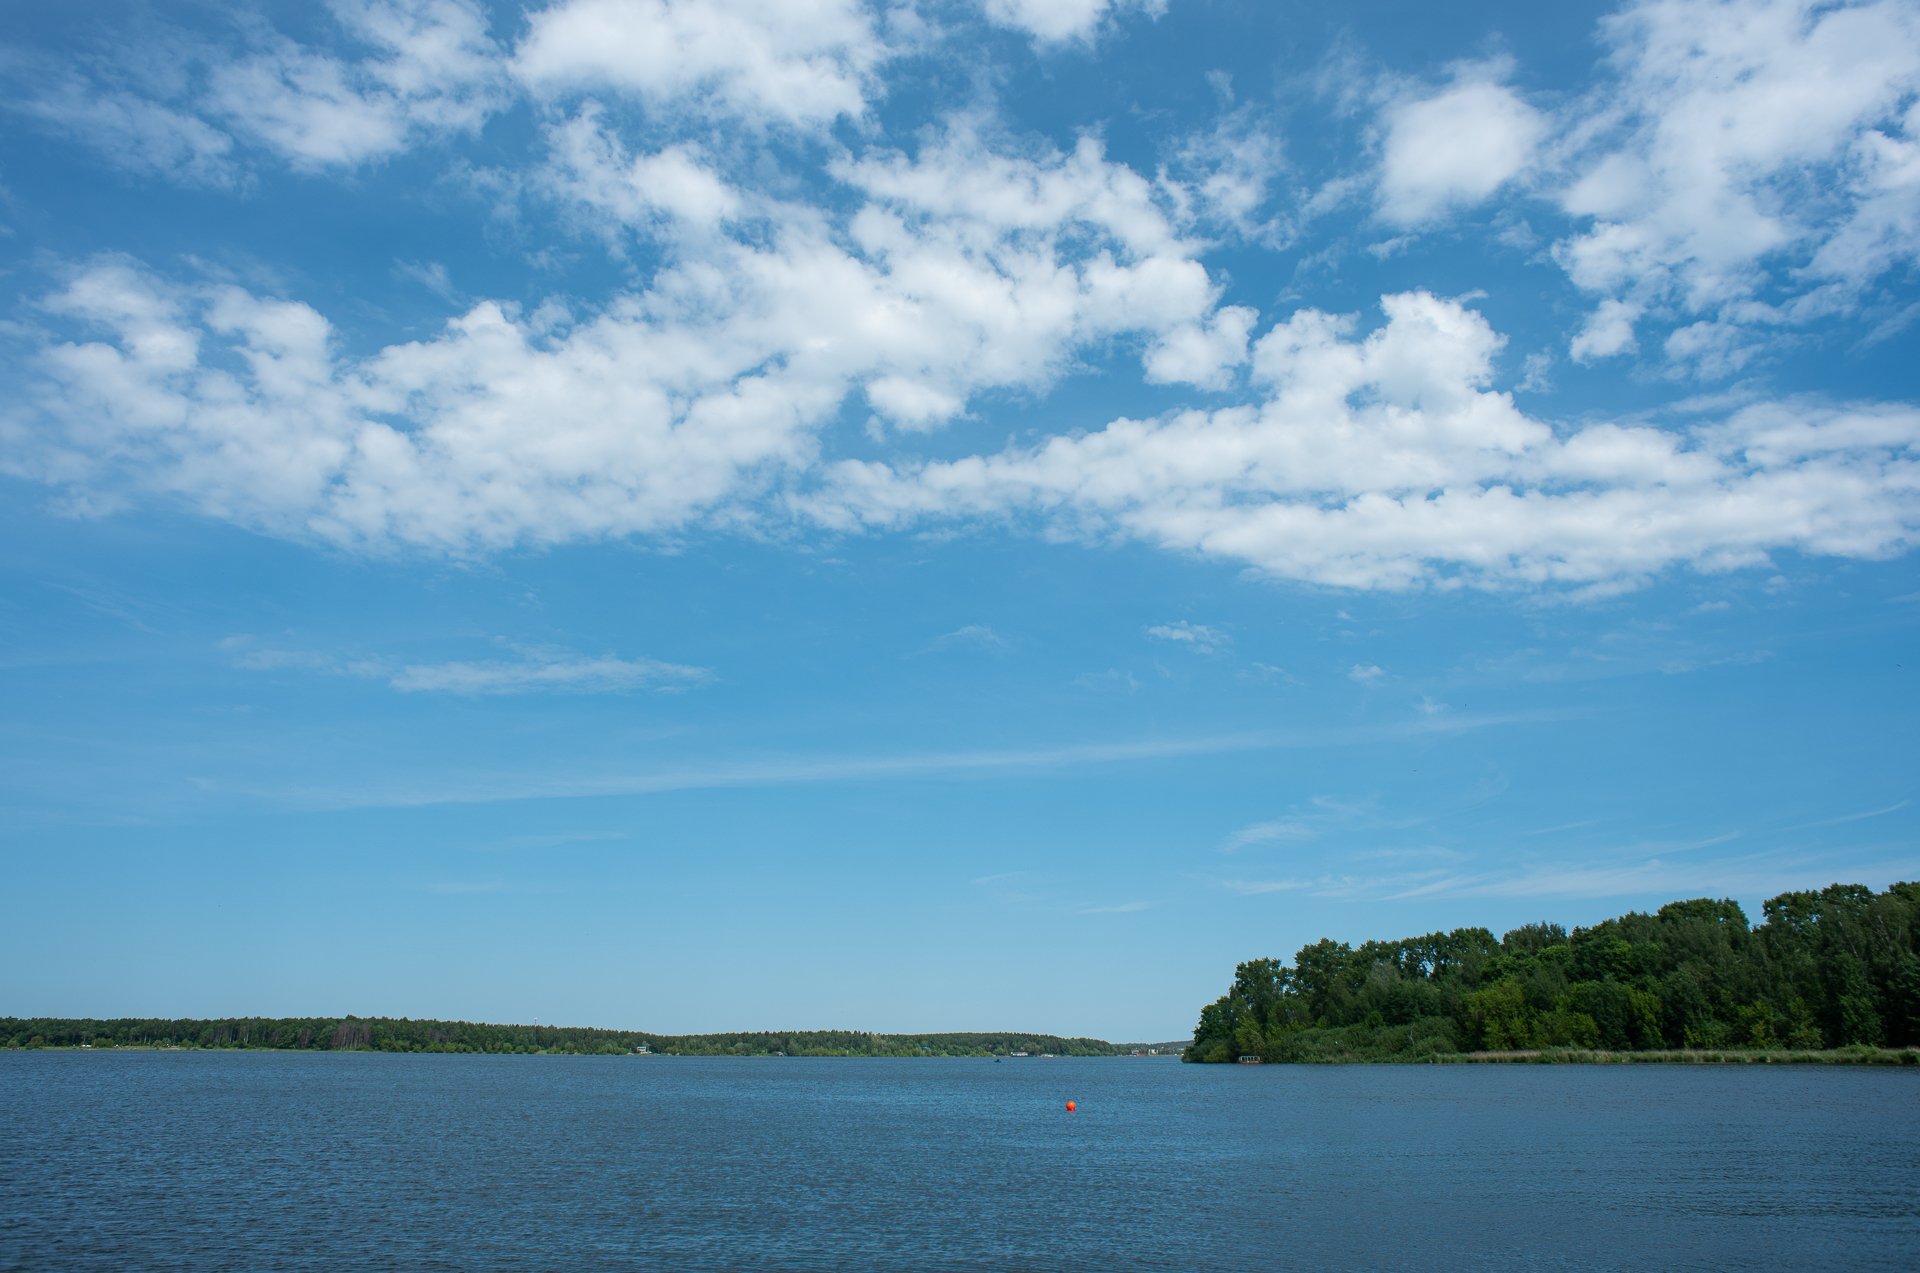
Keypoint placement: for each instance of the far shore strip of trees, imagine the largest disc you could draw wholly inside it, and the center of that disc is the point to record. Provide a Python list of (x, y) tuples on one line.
[(1832, 975), (390, 1034)]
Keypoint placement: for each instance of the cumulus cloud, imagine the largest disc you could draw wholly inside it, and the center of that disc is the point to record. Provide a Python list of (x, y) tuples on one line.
[(1608, 332), (795, 62), (1383, 459), (789, 273), (590, 171), (1741, 140), (189, 108), (1203, 354), (433, 69), (964, 268), (1881, 229), (1454, 148), (1225, 175), (1054, 21), (494, 432), (1387, 460)]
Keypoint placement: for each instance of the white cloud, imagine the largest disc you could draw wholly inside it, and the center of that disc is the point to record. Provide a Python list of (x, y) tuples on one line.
[(1388, 461), (1744, 141), (1608, 333), (1383, 460), (1197, 637), (134, 132), (1054, 21), (546, 671), (435, 70), (1713, 350), (672, 190), (1882, 229), (183, 105), (922, 278), (1225, 175), (1454, 148), (1366, 673), (304, 105), (1202, 354), (962, 268), (798, 62)]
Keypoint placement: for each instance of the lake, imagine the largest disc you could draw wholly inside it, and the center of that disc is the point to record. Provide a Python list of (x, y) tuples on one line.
[(144, 1159)]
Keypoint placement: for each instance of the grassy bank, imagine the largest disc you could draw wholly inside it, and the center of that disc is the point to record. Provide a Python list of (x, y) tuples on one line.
[(1690, 1056)]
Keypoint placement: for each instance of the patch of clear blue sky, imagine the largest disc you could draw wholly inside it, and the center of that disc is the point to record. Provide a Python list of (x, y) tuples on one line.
[(946, 777), (188, 836)]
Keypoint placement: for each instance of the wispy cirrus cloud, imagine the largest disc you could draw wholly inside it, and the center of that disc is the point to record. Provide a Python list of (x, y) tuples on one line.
[(1120, 908), (533, 670), (977, 636), (1257, 888), (1750, 875), (547, 671), (131, 131), (1624, 873), (575, 782), (1283, 831), (467, 888), (1860, 815)]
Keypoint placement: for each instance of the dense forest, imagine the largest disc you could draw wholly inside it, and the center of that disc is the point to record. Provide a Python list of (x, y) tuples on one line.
[(1830, 969), (387, 1034)]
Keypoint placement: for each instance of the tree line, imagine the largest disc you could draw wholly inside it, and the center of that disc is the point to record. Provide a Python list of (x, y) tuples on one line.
[(391, 1034), (1835, 968)]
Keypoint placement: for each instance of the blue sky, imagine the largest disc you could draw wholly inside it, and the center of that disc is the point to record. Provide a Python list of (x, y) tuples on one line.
[(921, 516)]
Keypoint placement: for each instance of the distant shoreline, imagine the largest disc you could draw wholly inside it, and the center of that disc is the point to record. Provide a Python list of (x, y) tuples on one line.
[(1720, 1056), (403, 1034), (768, 1056)]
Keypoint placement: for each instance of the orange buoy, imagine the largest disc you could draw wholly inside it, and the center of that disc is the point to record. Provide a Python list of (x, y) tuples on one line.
[(1071, 1107)]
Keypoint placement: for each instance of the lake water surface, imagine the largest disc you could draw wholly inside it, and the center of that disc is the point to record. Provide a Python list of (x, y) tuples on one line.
[(147, 1159)]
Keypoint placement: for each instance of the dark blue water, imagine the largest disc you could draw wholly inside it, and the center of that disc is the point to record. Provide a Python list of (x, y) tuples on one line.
[(285, 1159)]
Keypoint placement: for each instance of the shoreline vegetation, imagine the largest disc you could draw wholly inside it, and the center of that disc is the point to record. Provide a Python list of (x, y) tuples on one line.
[(401, 1034), (1829, 977), (1856, 1055)]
